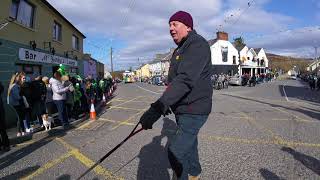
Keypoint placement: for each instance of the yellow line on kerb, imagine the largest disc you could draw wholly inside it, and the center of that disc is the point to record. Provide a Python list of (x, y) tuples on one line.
[(88, 162)]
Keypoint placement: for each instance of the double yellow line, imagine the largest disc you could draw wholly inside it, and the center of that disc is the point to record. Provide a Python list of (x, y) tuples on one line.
[(72, 151)]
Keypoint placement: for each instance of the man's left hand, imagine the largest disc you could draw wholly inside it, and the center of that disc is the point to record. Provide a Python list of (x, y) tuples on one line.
[(149, 118), (153, 114)]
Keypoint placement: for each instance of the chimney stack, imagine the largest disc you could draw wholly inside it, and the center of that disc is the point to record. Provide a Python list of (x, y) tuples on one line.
[(222, 36)]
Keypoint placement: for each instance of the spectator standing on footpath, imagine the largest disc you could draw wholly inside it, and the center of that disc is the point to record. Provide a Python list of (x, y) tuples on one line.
[(49, 104), (4, 141), (17, 101), (26, 92), (189, 95), (39, 92), (59, 98), (69, 95)]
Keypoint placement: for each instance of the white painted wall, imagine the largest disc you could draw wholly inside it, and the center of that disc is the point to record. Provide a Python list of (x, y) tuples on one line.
[(262, 55), (250, 55), (243, 54), (155, 68), (216, 54)]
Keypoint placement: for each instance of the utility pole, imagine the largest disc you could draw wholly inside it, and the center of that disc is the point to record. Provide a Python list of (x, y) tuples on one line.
[(140, 77), (111, 59), (316, 56)]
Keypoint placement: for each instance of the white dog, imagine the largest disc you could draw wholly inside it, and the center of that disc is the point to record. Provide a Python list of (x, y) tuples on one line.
[(46, 121)]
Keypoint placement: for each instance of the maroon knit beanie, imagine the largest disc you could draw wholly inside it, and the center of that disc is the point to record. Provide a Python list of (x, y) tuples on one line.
[(182, 17)]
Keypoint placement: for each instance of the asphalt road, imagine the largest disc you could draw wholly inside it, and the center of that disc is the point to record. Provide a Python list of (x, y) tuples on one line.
[(271, 131)]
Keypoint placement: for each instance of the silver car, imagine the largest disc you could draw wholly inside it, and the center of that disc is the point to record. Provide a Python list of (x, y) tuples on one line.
[(235, 80)]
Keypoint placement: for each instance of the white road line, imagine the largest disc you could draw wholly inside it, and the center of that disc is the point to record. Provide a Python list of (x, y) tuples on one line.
[(147, 89), (285, 94)]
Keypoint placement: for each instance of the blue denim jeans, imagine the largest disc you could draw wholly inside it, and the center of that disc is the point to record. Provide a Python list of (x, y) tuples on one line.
[(62, 111), (183, 148)]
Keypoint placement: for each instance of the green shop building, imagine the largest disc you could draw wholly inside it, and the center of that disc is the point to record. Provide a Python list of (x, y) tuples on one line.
[(36, 38)]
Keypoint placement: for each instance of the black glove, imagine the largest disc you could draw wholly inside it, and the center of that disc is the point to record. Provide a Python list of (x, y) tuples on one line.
[(153, 114)]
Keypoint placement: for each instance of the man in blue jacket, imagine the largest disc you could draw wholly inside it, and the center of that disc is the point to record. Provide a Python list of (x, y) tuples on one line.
[(188, 95)]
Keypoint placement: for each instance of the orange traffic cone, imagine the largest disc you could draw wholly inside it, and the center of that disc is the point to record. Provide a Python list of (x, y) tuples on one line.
[(93, 114)]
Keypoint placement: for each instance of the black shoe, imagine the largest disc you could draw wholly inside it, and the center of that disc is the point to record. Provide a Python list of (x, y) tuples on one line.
[(5, 148)]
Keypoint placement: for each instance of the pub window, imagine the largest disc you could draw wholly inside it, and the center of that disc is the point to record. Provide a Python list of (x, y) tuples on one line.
[(57, 31), (75, 42), (224, 52), (23, 12)]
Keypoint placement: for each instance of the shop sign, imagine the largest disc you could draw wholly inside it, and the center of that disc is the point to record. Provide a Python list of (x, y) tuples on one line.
[(35, 56)]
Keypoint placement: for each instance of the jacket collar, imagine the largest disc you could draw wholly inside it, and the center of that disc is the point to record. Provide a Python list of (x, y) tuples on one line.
[(191, 33)]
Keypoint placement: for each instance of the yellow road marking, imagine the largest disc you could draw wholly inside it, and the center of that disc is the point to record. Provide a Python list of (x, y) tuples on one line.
[(260, 141), (126, 102), (278, 109), (88, 162), (47, 166), (130, 118), (85, 125), (291, 114), (126, 108), (298, 120), (113, 107), (131, 101), (252, 121), (113, 121)]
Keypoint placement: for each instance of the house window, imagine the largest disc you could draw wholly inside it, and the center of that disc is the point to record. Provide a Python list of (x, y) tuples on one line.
[(248, 58), (23, 12), (29, 69), (14, 9), (75, 42), (56, 33), (234, 60)]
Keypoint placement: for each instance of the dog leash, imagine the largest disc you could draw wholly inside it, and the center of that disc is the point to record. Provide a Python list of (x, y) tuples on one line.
[(133, 132)]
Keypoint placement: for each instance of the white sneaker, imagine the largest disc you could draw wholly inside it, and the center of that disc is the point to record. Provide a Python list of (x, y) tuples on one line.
[(174, 176)]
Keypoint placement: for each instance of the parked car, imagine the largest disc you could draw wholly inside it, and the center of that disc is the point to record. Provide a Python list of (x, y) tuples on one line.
[(293, 76), (157, 80), (236, 80)]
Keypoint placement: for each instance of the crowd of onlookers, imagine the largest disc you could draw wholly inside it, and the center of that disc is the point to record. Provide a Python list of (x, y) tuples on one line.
[(36, 98), (222, 81), (313, 80)]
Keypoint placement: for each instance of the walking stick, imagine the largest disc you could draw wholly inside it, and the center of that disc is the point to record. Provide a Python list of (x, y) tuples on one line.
[(133, 132)]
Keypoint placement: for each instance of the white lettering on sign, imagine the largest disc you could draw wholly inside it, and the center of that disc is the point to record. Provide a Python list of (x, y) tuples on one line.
[(35, 56)]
